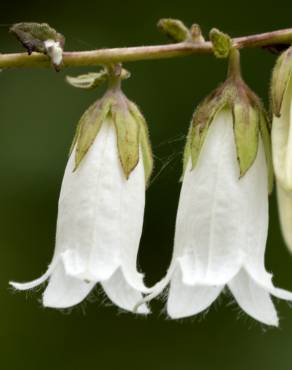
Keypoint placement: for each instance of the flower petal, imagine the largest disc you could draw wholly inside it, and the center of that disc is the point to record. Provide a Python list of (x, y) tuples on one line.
[(285, 213), (31, 284), (210, 217), (281, 293), (187, 300), (122, 294), (36, 282), (253, 299), (132, 204), (89, 222), (65, 291), (255, 187)]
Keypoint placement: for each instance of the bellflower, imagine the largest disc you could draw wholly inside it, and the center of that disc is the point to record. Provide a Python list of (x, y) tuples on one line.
[(281, 93), (101, 208), (222, 218)]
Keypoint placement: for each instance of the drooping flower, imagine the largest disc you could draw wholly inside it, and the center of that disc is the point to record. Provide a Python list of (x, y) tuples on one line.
[(222, 218), (281, 93), (101, 208)]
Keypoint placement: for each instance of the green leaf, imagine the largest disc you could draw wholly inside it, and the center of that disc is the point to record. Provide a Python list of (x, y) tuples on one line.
[(174, 29), (221, 43), (33, 35), (88, 81)]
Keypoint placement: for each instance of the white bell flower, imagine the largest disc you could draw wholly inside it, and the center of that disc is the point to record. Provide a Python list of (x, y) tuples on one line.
[(100, 218), (221, 232)]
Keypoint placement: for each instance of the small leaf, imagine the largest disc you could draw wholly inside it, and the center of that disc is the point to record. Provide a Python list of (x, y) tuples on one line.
[(221, 43), (88, 81), (42, 38), (174, 29), (88, 128), (144, 140), (33, 35), (127, 131), (246, 130)]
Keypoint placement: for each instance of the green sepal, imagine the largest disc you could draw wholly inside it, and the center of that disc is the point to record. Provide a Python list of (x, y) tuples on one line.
[(128, 133), (266, 138), (246, 134), (33, 35), (280, 78), (144, 140), (88, 128), (203, 117), (88, 81)]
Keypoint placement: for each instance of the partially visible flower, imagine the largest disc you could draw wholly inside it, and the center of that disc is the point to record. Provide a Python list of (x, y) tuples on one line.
[(222, 218), (101, 208), (281, 93)]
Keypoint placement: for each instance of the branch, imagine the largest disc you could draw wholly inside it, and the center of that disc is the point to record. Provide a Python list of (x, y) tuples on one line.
[(131, 54)]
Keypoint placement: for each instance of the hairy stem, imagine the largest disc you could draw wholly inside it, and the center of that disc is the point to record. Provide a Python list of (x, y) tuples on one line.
[(131, 54)]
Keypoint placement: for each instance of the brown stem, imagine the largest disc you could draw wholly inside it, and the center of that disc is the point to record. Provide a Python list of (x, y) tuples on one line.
[(131, 54)]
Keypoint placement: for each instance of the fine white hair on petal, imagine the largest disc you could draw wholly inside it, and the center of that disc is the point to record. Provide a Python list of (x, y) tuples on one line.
[(253, 299), (122, 294), (65, 291), (285, 214), (187, 300), (209, 235), (282, 141)]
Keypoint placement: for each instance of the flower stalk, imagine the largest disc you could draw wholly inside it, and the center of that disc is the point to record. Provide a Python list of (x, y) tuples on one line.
[(131, 54)]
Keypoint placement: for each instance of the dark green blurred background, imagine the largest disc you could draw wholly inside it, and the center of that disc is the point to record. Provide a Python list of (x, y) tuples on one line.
[(38, 115)]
